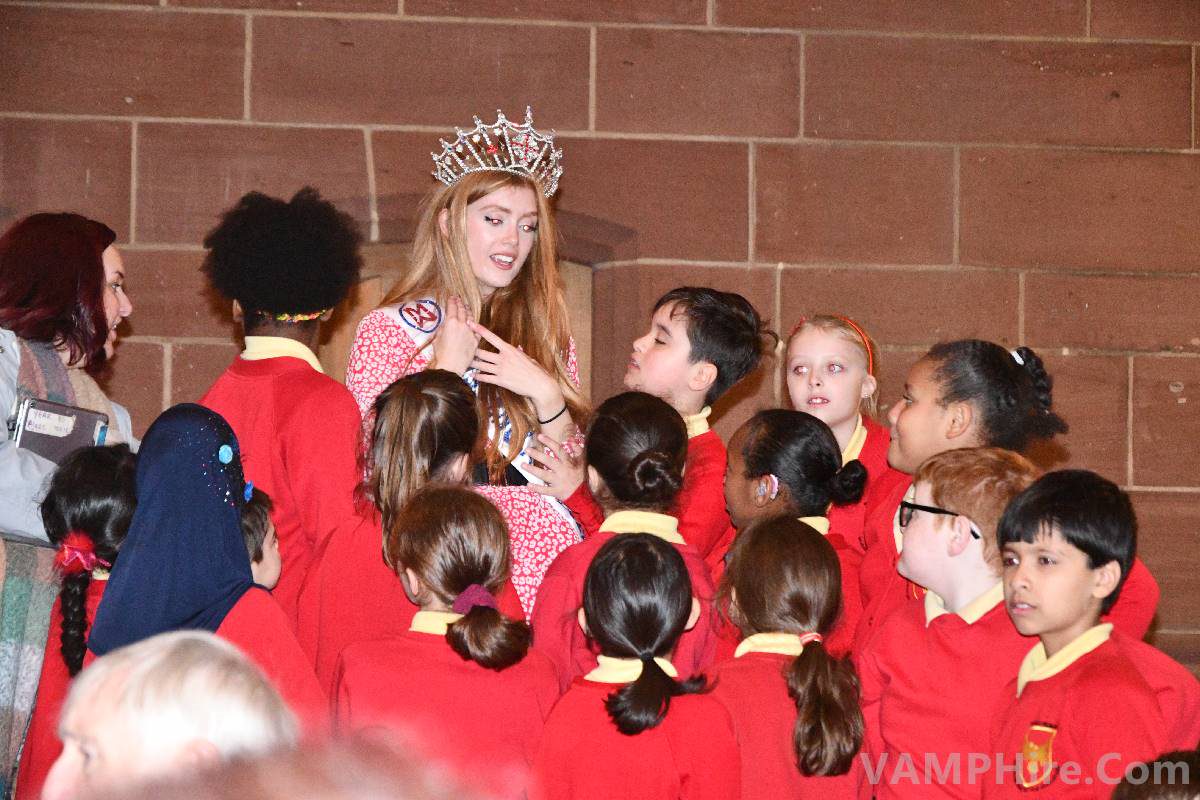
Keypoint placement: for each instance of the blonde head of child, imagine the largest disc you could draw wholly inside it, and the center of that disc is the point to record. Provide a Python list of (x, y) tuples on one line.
[(831, 368), (950, 524)]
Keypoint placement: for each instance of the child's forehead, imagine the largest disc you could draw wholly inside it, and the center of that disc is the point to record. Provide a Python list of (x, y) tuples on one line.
[(672, 316), (815, 341)]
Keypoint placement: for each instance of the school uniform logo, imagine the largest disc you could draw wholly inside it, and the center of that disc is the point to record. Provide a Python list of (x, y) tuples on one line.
[(424, 315), (1037, 765)]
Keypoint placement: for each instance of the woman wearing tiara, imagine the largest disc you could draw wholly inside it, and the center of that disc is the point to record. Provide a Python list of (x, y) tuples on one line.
[(482, 298)]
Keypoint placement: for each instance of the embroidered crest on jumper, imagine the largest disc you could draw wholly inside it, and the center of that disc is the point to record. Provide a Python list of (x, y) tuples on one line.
[(424, 315), (1037, 756)]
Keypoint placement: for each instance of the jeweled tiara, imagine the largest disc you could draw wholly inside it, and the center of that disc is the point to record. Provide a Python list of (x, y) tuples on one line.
[(501, 147)]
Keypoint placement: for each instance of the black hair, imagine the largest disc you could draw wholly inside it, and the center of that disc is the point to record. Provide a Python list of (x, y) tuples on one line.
[(91, 493), (802, 452), (1088, 511), (277, 257), (638, 445), (637, 598), (256, 521), (724, 329), (1010, 391), (1171, 776)]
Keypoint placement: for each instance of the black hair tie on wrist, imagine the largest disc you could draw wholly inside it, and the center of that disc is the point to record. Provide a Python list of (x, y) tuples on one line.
[(556, 416)]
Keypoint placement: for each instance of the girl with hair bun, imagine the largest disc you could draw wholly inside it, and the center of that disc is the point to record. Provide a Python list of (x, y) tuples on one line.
[(86, 513), (462, 665), (647, 734), (635, 451), (968, 393), (788, 462), (784, 593)]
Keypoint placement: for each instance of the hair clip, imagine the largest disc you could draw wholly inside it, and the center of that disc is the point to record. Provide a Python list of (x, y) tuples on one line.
[(811, 636), (248, 492), (1017, 357), (77, 553), (225, 454)]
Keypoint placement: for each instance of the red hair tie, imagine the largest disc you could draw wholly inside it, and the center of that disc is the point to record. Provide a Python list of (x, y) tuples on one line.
[(811, 636), (474, 595), (77, 553)]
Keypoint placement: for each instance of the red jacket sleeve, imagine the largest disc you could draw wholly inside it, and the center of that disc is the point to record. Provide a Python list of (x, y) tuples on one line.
[(585, 509), (556, 631), (700, 507), (1134, 610)]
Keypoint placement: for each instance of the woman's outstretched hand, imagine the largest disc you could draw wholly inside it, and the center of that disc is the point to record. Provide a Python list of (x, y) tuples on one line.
[(560, 465)]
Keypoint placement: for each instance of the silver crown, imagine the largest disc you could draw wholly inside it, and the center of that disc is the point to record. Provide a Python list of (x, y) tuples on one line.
[(501, 147)]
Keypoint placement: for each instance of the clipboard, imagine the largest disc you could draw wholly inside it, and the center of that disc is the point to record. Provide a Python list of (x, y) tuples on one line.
[(54, 430)]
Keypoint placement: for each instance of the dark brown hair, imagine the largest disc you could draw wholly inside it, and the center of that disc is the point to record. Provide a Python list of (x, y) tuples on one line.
[(637, 598), (638, 445), (52, 283), (256, 520), (784, 577), (422, 423), (452, 537)]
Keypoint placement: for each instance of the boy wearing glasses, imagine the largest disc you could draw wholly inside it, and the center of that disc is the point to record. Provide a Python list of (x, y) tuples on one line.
[(936, 670), (1087, 703)]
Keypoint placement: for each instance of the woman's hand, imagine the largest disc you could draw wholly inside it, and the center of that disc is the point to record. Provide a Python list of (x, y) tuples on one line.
[(456, 343), (509, 368), (559, 465)]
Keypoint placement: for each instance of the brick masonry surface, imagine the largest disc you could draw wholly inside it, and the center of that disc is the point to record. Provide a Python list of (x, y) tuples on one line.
[(1024, 171)]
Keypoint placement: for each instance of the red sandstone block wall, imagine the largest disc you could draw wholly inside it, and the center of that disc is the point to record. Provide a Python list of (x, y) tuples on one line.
[(1024, 171)]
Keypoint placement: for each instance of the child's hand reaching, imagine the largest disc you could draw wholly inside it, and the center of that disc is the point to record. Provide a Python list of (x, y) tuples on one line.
[(560, 465)]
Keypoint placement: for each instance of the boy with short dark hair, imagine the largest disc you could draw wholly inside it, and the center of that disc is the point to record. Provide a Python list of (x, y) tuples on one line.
[(262, 545), (700, 343), (1087, 703)]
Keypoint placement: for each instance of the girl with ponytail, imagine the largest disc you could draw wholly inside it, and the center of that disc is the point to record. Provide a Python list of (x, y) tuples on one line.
[(425, 429), (649, 735), (461, 674), (783, 590), (86, 513), (789, 462), (635, 451), (969, 393)]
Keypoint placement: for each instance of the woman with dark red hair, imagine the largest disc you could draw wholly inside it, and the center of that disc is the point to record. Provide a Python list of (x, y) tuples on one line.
[(62, 296)]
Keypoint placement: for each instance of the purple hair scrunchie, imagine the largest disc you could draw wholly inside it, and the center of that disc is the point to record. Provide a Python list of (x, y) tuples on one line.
[(474, 595)]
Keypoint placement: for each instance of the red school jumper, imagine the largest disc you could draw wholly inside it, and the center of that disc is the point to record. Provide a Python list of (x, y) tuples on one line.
[(556, 631), (1078, 720), (932, 683), (259, 628), (700, 505), (42, 745), (298, 433), (690, 755), (753, 688), (350, 595), (485, 724), (884, 589)]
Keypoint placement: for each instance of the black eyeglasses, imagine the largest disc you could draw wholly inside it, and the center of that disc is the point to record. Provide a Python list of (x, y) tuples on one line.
[(907, 509)]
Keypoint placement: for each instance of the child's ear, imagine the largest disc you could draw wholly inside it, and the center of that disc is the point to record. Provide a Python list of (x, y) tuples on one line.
[(762, 492), (960, 537), (1106, 576), (869, 386), (595, 482), (960, 417), (581, 618), (693, 617), (412, 584), (701, 376)]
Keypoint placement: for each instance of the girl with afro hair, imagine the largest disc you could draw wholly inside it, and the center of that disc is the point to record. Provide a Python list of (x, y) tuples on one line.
[(285, 265)]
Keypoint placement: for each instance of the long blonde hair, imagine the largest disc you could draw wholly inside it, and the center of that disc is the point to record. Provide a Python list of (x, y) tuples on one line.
[(529, 313)]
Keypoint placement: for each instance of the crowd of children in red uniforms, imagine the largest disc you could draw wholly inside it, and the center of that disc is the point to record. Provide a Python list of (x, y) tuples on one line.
[(831, 608)]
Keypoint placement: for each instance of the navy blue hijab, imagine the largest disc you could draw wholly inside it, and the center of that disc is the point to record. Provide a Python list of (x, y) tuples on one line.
[(183, 564)]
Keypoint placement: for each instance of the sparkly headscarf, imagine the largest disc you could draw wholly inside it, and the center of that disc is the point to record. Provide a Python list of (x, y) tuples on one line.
[(184, 563)]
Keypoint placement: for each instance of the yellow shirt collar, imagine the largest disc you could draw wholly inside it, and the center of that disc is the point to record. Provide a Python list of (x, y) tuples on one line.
[(697, 423), (972, 612), (857, 440), (661, 525), (434, 622), (785, 644), (261, 347), (1037, 667), (820, 524), (624, 670)]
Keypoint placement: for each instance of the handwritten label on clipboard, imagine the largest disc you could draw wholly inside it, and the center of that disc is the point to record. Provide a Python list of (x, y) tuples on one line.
[(48, 423)]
